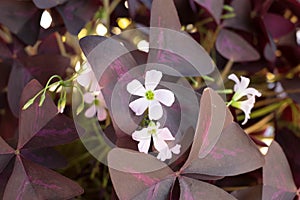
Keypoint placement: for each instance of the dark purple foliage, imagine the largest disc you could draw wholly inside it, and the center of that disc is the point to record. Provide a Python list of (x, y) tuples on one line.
[(39, 127)]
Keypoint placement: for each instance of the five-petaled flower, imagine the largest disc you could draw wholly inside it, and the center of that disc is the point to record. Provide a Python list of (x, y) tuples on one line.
[(150, 98), (98, 105), (159, 136), (241, 90)]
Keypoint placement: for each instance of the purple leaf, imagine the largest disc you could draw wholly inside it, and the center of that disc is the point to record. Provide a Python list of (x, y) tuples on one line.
[(31, 181), (59, 130), (277, 177), (111, 70), (34, 118), (41, 70), (213, 117), (90, 42), (292, 84), (48, 4), (277, 25), (6, 154), (160, 190), (33, 67), (18, 78), (242, 20), (232, 46), (5, 52), (77, 13), (290, 142), (22, 18), (5, 69), (229, 157), (5, 148), (142, 172), (214, 7), (164, 15), (169, 46), (191, 189), (47, 157), (4, 176)]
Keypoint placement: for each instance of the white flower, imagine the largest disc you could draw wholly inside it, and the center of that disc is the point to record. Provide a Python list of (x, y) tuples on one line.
[(159, 137), (167, 152), (87, 78), (98, 105), (151, 98), (241, 90)]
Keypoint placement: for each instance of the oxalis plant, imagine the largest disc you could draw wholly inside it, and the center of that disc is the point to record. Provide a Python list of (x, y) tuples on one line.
[(193, 104)]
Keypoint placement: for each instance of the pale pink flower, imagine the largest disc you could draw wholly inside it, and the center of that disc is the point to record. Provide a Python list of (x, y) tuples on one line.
[(150, 98)]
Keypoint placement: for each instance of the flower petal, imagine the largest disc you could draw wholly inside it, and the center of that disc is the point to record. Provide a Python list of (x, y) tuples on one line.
[(158, 143), (101, 113), (91, 111), (136, 88), (176, 149), (155, 110), (152, 79), (144, 139), (164, 96), (144, 146), (83, 78), (244, 83), (253, 92), (165, 134), (139, 105), (88, 97), (141, 135), (164, 154), (234, 78)]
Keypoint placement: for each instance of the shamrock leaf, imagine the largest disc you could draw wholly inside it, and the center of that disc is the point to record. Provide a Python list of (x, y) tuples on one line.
[(39, 127), (213, 155)]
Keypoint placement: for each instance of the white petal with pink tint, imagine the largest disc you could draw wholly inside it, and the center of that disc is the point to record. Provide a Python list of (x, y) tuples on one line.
[(136, 88), (152, 79), (139, 106), (164, 96)]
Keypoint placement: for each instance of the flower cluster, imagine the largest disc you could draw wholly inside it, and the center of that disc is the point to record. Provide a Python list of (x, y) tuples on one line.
[(241, 90), (152, 99), (93, 94)]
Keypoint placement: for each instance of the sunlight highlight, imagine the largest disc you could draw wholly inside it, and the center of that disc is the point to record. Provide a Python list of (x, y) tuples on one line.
[(143, 45), (101, 30), (46, 20)]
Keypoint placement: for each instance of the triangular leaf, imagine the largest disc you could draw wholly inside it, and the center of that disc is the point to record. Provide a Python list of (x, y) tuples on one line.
[(141, 172), (59, 130), (214, 7), (191, 189), (47, 157), (47, 4), (5, 148), (277, 176), (229, 156), (213, 117), (77, 13), (34, 118), (242, 19), (21, 17), (31, 181), (232, 46), (164, 15), (277, 25)]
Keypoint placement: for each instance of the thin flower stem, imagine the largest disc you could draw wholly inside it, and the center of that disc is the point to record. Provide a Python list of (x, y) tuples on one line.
[(113, 6), (227, 69), (61, 45)]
